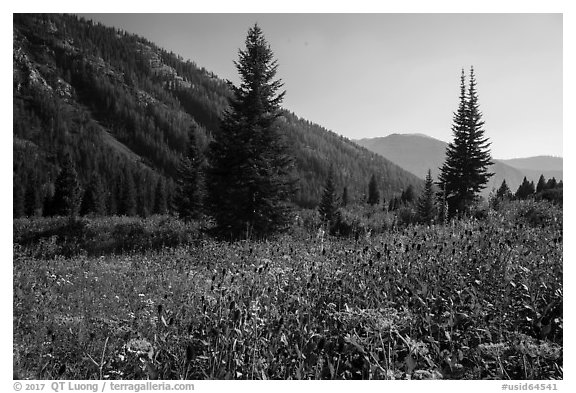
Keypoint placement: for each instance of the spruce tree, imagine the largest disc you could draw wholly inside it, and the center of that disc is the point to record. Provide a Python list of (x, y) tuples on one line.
[(465, 171), (479, 146), (503, 192), (67, 191), (328, 204), (541, 186), (551, 184), (408, 195), (189, 190), (525, 190), (426, 206), (373, 193), (248, 178)]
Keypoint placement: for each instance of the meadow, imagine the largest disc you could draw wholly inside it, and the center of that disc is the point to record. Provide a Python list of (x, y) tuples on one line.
[(120, 298)]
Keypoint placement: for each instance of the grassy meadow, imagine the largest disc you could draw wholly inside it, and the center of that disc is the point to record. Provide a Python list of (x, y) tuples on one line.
[(131, 298)]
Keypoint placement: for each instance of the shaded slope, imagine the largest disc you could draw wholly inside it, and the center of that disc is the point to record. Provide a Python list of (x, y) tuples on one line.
[(124, 107)]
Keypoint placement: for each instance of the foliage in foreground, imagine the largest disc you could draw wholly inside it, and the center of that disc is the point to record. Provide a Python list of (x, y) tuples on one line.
[(475, 299), (49, 237)]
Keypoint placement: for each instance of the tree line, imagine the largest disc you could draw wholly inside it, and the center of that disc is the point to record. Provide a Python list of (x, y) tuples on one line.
[(550, 190)]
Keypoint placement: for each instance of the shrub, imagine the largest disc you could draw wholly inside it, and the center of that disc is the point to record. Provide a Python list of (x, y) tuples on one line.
[(536, 214), (406, 215), (97, 236), (554, 195)]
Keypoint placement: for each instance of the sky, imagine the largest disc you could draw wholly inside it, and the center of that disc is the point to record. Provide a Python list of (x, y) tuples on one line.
[(370, 75)]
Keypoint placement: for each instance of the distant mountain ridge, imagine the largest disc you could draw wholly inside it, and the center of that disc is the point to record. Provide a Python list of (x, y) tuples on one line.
[(537, 163), (418, 152)]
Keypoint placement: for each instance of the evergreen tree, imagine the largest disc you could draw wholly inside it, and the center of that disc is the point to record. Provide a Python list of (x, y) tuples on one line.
[(551, 184), (328, 204), (426, 206), (525, 190), (93, 201), (373, 193), (249, 174), (465, 171), (541, 186), (503, 193), (408, 195), (345, 197), (160, 197), (189, 194), (479, 158), (67, 191)]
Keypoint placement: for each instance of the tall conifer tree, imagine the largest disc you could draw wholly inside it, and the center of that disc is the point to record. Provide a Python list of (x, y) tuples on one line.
[(503, 193), (426, 206), (67, 191), (465, 171), (408, 195), (328, 204), (525, 190), (189, 190), (373, 193), (541, 186), (249, 174)]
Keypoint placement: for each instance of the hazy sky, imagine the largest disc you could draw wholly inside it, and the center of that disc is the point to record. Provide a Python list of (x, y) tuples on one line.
[(368, 75)]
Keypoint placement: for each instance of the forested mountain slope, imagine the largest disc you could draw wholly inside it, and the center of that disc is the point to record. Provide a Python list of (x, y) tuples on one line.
[(123, 109)]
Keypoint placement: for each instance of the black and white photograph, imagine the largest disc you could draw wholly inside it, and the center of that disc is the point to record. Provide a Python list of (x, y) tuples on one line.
[(287, 196)]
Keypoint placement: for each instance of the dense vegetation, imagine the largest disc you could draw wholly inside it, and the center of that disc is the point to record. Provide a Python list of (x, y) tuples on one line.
[(123, 109), (388, 285), (472, 299), (249, 176)]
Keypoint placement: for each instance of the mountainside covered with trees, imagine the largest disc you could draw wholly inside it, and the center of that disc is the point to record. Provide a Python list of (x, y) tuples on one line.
[(121, 110)]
